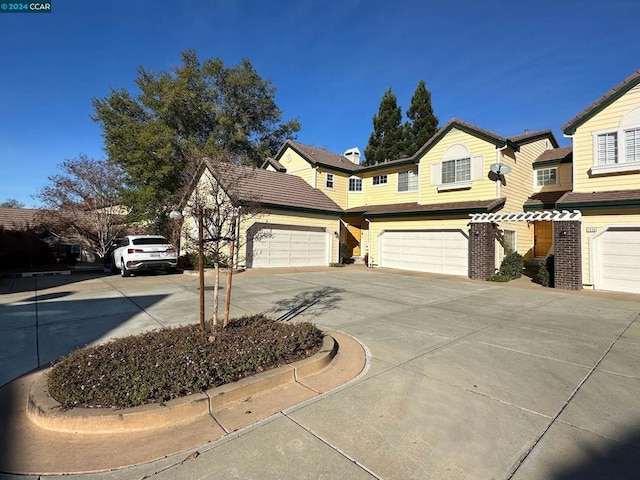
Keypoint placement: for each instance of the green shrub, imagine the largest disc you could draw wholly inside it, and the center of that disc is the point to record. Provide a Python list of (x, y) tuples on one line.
[(546, 273), (498, 277), (163, 364), (512, 266)]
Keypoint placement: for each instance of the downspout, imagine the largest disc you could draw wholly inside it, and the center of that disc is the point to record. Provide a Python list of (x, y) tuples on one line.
[(499, 160), (367, 263), (573, 170)]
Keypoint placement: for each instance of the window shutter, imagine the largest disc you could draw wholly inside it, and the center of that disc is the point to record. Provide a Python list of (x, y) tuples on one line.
[(477, 167), (436, 174)]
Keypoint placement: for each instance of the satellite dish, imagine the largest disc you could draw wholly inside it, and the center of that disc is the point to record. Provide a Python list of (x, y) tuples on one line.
[(499, 168), (498, 171)]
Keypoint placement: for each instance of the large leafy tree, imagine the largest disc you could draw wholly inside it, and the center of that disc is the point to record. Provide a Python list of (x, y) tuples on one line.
[(422, 123), (196, 109), (387, 142)]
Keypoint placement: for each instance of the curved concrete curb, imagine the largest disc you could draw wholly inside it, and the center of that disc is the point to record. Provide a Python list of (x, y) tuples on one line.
[(46, 413)]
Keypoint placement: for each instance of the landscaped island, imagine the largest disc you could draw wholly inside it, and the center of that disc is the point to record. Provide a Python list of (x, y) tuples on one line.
[(169, 363)]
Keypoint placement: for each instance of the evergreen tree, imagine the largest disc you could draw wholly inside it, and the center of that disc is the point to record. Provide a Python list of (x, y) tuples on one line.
[(387, 142), (422, 124), (196, 109)]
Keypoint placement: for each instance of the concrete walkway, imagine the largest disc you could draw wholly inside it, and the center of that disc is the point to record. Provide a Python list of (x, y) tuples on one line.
[(466, 380)]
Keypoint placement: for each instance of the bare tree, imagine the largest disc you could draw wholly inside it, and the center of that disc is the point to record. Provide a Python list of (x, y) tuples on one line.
[(219, 192), (82, 202)]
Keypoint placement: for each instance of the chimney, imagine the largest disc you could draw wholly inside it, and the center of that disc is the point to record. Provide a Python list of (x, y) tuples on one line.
[(353, 155)]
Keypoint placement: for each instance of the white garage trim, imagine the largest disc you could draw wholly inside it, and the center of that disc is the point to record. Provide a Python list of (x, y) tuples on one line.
[(275, 245), (435, 251), (615, 259)]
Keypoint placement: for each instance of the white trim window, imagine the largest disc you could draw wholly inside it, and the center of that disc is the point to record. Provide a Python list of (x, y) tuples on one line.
[(632, 145), (509, 238), (329, 181), (355, 184), (547, 176), (456, 171), (618, 149), (408, 180), (380, 179), (607, 148)]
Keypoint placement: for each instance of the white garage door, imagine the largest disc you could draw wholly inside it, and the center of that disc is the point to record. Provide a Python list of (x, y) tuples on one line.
[(288, 246), (436, 251), (617, 260)]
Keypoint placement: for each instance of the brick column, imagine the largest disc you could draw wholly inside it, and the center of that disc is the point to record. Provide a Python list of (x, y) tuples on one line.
[(482, 250), (567, 260)]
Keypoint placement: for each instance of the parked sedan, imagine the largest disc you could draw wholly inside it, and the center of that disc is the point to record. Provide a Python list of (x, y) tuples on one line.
[(144, 252)]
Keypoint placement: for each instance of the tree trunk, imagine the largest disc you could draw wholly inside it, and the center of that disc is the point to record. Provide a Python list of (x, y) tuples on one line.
[(216, 289), (227, 299)]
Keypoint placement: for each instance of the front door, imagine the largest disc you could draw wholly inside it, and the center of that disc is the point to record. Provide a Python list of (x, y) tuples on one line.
[(542, 238), (353, 240)]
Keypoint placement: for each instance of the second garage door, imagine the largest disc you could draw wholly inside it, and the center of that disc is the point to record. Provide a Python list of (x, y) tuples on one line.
[(287, 246), (435, 251), (617, 260)]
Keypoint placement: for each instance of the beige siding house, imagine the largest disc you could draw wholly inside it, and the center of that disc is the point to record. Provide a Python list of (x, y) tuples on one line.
[(606, 187), (579, 203)]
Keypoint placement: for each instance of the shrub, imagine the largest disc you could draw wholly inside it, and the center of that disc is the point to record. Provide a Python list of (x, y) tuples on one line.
[(546, 273), (498, 277), (512, 266), (160, 365)]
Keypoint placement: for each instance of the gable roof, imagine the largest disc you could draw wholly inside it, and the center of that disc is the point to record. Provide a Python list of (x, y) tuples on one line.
[(274, 163), (607, 99), (317, 156), (533, 136), (274, 189), (486, 135)]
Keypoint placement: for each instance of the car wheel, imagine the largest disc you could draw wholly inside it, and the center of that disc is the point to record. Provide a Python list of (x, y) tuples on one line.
[(123, 270)]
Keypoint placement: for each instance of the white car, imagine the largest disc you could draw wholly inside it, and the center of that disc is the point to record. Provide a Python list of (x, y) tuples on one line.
[(144, 252)]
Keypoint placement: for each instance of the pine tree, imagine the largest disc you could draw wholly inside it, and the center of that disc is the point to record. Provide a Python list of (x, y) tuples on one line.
[(422, 124), (387, 142)]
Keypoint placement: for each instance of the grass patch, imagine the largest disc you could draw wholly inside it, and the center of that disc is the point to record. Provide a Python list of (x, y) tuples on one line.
[(169, 363)]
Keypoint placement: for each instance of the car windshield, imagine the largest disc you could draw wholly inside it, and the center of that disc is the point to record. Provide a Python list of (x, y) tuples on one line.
[(150, 241)]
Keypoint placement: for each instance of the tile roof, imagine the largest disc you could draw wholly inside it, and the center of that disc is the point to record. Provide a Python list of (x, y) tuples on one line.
[(18, 218), (616, 92), (564, 153), (318, 156), (465, 127), (274, 188), (543, 200), (533, 136), (274, 163), (478, 206), (619, 198)]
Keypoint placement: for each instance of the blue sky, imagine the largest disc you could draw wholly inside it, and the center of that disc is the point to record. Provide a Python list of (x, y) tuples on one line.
[(504, 66)]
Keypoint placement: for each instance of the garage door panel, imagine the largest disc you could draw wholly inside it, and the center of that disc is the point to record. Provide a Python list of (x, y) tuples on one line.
[(435, 251), (618, 260), (288, 246)]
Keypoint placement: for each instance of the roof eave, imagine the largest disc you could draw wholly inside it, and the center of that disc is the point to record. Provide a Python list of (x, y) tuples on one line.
[(603, 102)]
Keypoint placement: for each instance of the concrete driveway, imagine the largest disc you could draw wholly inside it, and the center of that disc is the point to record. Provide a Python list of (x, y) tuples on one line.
[(466, 380)]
